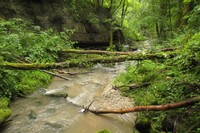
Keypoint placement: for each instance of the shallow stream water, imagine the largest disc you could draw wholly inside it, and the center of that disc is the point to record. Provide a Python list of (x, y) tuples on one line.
[(44, 114)]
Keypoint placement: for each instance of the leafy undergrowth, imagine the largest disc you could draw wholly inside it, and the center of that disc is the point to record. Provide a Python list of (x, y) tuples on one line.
[(18, 83), (20, 41), (161, 82), (4, 111), (103, 131)]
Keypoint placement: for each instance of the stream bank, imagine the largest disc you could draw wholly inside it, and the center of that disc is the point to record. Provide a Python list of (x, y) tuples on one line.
[(44, 114)]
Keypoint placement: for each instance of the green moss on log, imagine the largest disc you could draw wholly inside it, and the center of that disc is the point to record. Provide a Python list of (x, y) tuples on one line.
[(82, 63)]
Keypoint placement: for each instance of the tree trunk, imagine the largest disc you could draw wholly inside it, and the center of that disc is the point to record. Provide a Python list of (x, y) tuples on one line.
[(111, 35), (96, 52), (170, 18), (97, 3), (23, 60), (162, 107), (75, 51), (82, 63), (124, 10), (187, 7), (179, 14), (163, 19)]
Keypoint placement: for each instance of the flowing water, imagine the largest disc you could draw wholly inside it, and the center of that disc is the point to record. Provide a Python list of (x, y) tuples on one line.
[(44, 114)]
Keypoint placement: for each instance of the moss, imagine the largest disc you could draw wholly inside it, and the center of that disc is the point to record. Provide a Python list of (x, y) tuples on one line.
[(104, 131), (167, 84), (4, 114), (4, 111), (30, 80)]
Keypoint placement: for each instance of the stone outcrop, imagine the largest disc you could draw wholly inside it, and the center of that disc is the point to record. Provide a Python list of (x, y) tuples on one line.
[(89, 24)]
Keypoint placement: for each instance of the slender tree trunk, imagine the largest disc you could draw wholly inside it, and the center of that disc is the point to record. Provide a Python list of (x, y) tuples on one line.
[(179, 14), (97, 3), (157, 30), (162, 22), (111, 5), (187, 7), (111, 35), (170, 18), (102, 3), (124, 10)]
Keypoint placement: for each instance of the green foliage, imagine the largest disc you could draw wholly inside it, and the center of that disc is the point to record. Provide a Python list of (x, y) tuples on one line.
[(144, 72), (193, 19), (23, 82), (8, 80), (187, 1), (20, 38), (133, 21), (4, 111), (4, 114), (93, 19), (30, 80), (4, 103), (104, 131), (167, 84), (189, 57), (170, 80)]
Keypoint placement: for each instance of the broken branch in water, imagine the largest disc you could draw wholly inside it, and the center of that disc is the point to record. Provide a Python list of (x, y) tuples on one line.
[(72, 73), (59, 76), (162, 107)]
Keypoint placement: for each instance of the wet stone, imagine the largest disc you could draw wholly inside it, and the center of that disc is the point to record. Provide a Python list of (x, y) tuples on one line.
[(32, 115)]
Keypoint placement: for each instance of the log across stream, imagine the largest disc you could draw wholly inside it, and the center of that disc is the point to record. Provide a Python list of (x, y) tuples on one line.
[(43, 114)]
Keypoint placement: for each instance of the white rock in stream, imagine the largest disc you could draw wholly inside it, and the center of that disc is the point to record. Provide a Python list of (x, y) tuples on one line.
[(56, 93)]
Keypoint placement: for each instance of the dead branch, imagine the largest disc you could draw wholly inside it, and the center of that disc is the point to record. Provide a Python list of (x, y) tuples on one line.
[(162, 107)]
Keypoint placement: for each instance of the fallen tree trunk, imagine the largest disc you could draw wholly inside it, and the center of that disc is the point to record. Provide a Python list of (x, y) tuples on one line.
[(163, 107), (81, 63), (65, 51), (96, 52), (23, 60)]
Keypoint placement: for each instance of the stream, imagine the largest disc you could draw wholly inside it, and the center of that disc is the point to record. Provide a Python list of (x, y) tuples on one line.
[(44, 114)]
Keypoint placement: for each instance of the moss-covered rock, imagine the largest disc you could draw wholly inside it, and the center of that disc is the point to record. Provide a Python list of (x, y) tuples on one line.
[(4, 114), (104, 131)]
